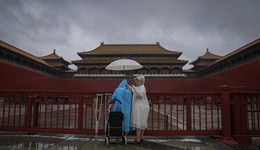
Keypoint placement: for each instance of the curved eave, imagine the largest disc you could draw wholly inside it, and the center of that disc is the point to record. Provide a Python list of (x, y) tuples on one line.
[(58, 60), (62, 67), (141, 61), (201, 59), (51, 56), (128, 49), (20, 52), (235, 52)]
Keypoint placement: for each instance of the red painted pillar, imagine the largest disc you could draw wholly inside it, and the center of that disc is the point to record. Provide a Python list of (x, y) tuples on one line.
[(80, 115), (226, 116), (29, 113), (188, 112), (240, 122)]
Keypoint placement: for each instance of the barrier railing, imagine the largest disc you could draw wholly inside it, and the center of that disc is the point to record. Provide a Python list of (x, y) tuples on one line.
[(170, 113)]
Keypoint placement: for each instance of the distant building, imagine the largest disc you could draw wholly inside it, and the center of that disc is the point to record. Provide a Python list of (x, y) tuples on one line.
[(158, 62), (56, 61), (205, 60), (20, 58), (153, 57)]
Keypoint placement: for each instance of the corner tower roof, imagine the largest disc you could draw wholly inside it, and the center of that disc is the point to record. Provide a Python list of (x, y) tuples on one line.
[(51, 56), (207, 56), (54, 56)]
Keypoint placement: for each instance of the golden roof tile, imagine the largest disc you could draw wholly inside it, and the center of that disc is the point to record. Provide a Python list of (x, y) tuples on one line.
[(106, 61), (207, 56), (21, 52), (54, 56), (128, 49), (51, 56)]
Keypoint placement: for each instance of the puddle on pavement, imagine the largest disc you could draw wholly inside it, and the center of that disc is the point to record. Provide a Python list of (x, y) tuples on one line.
[(187, 143), (72, 142)]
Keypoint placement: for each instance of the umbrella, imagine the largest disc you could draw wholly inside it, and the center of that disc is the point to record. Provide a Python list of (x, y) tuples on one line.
[(124, 64)]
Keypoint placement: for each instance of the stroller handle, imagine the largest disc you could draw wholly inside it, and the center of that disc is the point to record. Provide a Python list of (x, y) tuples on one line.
[(115, 101), (112, 102)]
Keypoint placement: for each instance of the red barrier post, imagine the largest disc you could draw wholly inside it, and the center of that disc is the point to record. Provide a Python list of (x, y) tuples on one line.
[(226, 116)]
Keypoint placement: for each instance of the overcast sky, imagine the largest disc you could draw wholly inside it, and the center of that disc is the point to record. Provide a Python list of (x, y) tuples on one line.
[(71, 26)]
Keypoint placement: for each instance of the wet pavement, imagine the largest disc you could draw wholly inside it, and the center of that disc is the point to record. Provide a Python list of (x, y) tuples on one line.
[(18, 141)]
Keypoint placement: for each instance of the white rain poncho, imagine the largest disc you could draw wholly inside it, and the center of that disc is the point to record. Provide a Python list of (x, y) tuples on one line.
[(140, 106)]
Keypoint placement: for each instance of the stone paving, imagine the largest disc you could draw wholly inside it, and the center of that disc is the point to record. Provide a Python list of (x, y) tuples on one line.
[(80, 142)]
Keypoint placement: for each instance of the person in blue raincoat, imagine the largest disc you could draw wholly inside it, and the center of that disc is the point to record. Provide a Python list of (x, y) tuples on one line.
[(124, 95)]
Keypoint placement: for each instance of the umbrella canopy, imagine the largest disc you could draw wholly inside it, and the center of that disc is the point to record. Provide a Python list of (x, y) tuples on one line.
[(124, 64)]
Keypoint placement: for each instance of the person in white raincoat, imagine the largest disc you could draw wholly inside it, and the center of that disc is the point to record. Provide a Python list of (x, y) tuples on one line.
[(140, 108)]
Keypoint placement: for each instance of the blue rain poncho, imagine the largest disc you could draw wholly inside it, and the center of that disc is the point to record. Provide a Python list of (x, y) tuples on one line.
[(124, 95)]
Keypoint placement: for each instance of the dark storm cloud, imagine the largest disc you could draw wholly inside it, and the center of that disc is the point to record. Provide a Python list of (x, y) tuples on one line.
[(188, 26)]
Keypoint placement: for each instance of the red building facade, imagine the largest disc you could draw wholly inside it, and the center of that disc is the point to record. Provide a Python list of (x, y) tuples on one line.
[(240, 68)]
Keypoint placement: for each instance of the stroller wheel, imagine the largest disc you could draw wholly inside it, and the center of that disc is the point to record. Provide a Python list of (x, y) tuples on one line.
[(124, 139), (106, 141)]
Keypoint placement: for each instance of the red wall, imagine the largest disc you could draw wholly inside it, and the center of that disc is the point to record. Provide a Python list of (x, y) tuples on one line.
[(247, 76), (15, 78)]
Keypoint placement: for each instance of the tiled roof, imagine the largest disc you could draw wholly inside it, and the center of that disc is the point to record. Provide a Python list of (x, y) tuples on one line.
[(257, 41), (62, 67), (56, 64), (22, 53), (235, 52), (207, 56), (128, 49), (141, 61), (51, 56), (54, 56), (203, 63)]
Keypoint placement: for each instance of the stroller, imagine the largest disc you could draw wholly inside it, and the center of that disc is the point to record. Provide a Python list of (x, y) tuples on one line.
[(114, 125)]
